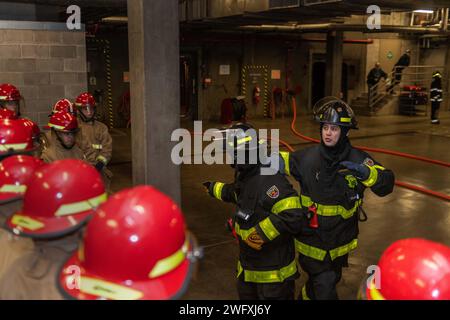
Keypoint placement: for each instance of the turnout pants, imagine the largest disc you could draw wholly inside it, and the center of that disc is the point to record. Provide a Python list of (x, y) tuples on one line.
[(266, 291), (435, 105), (323, 276)]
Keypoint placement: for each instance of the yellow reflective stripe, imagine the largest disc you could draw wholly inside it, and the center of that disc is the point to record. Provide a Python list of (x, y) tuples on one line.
[(304, 294), (373, 177), (102, 159), (217, 190), (246, 139), (14, 146), (268, 276), (285, 156), (330, 210), (3, 97), (168, 264), (343, 250), (346, 119), (310, 251), (26, 222), (244, 234), (374, 293), (13, 188), (77, 207), (55, 126), (109, 290), (97, 146), (286, 204), (269, 229)]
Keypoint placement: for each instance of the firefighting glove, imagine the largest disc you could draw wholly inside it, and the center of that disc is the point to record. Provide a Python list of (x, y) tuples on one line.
[(254, 241), (99, 166), (360, 171)]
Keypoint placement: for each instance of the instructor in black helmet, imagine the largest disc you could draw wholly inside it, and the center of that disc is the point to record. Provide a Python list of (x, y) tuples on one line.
[(333, 177)]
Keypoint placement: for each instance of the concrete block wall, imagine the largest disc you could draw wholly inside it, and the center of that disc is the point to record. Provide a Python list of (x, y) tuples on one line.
[(45, 65)]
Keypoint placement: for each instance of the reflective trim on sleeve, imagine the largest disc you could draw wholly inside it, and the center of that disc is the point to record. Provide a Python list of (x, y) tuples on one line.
[(373, 177), (244, 234), (97, 146), (102, 159), (270, 276), (217, 190), (285, 156), (269, 229), (286, 204)]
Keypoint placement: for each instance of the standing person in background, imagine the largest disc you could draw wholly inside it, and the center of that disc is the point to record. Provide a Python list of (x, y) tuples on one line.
[(436, 96)]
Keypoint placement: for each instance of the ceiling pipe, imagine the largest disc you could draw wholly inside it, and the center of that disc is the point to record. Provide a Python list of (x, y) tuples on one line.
[(325, 27)]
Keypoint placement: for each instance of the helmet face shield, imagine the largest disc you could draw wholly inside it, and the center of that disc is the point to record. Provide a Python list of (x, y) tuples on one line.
[(334, 111)]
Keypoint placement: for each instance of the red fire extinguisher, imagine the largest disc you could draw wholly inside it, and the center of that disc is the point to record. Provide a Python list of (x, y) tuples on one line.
[(256, 95)]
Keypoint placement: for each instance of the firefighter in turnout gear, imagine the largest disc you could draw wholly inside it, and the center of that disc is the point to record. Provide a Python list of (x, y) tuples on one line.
[(16, 172), (57, 204), (95, 134), (63, 139), (332, 178), (436, 96), (267, 216)]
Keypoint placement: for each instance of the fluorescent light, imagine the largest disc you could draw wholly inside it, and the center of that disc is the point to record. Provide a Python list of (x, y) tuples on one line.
[(423, 11)]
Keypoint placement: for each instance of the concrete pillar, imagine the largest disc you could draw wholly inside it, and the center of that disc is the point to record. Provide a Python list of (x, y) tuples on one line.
[(334, 64), (155, 92)]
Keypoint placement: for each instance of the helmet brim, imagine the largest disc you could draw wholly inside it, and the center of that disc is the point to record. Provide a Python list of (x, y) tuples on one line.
[(7, 197), (46, 228), (170, 286)]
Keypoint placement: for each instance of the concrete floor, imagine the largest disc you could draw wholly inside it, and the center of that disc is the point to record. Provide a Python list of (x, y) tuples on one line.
[(402, 214)]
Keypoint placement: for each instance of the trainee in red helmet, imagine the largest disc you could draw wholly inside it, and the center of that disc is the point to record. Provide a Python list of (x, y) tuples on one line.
[(62, 143), (58, 202), (16, 172), (10, 99), (412, 269), (135, 247), (16, 137), (63, 105), (95, 133)]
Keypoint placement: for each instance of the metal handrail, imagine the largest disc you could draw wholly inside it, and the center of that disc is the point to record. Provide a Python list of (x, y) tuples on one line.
[(379, 91)]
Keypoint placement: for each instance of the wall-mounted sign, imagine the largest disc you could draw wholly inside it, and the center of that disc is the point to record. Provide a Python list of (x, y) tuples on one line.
[(390, 55), (275, 74), (224, 69), (92, 81)]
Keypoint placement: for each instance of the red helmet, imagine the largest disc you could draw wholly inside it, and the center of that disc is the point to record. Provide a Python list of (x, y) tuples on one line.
[(16, 172), (63, 105), (413, 269), (7, 114), (85, 100), (135, 247), (15, 135), (62, 196), (33, 127), (63, 121), (8, 92)]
